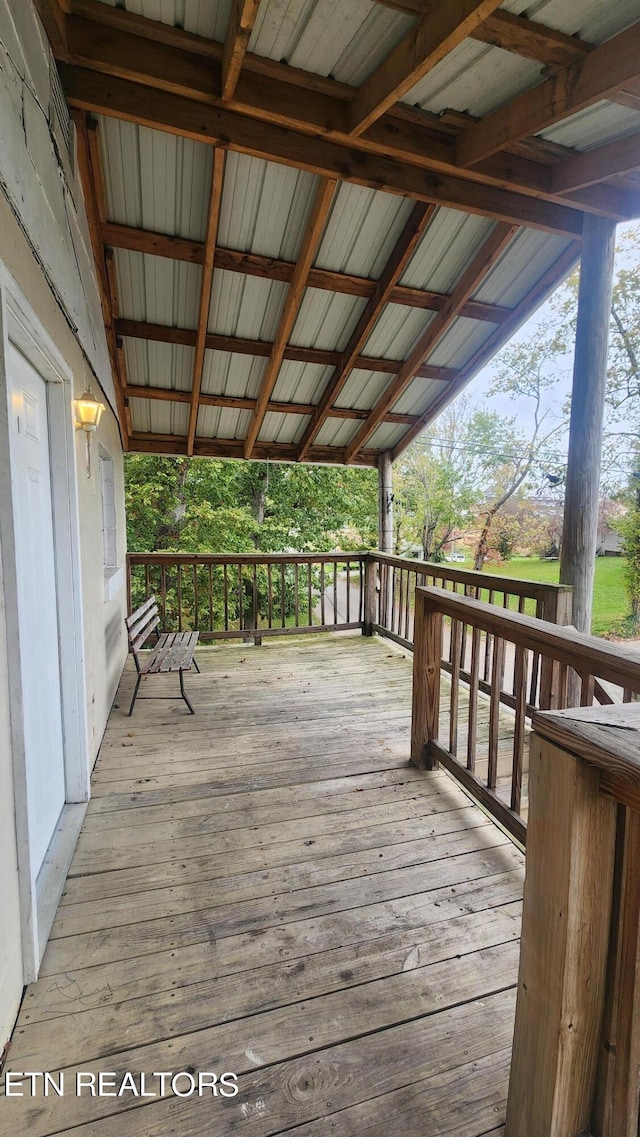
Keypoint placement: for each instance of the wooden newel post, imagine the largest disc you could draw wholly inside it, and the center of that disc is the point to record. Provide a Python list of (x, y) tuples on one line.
[(427, 659), (370, 595), (565, 939)]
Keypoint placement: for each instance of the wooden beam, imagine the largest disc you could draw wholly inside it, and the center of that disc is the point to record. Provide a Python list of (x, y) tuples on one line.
[(407, 134), (531, 40), (470, 280), (133, 102), (620, 157), (230, 448), (547, 284), (580, 526), (213, 217), (161, 333), (238, 403), (86, 150), (602, 72), (241, 20), (404, 249), (53, 15), (310, 243), (441, 29), (270, 268)]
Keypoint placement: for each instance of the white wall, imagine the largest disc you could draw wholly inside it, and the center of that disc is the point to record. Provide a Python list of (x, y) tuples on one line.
[(10, 941), (45, 248)]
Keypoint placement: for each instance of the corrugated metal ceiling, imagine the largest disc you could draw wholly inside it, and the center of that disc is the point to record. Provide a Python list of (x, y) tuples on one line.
[(157, 181)]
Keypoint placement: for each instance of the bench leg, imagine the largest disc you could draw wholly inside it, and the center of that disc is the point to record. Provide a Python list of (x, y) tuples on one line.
[(195, 664), (135, 695), (183, 692)]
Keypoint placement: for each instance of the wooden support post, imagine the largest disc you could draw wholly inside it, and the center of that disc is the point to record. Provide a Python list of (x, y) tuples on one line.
[(385, 503), (580, 529), (370, 594), (427, 658), (565, 937)]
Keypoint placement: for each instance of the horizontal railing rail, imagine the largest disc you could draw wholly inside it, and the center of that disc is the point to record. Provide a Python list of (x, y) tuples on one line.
[(466, 728), (248, 596)]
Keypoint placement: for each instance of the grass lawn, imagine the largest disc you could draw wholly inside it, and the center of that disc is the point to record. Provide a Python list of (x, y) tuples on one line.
[(610, 604)]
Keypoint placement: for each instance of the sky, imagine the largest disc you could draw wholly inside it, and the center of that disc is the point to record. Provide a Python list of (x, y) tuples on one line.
[(556, 396)]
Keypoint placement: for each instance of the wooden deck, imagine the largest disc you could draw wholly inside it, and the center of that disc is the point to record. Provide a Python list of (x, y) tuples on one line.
[(268, 888)]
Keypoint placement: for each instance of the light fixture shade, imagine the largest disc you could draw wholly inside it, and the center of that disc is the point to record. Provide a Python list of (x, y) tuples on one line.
[(88, 411)]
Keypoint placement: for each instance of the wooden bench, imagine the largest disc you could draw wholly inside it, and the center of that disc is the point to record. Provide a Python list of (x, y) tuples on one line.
[(173, 651)]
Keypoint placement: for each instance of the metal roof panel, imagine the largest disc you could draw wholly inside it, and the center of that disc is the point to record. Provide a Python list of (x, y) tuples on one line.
[(397, 331), (326, 319), (529, 255), (149, 415), (155, 180), (227, 373), (300, 382), (157, 290), (207, 18), (450, 243), (265, 206), (152, 364), (245, 306), (362, 230)]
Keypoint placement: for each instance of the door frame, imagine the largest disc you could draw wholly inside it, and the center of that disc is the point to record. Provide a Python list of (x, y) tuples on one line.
[(39, 895)]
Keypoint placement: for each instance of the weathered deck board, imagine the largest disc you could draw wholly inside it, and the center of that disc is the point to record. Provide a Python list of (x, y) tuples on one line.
[(270, 888)]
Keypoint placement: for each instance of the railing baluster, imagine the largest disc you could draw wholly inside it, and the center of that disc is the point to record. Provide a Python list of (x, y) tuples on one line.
[(454, 701), (310, 593), (322, 619), (283, 588), (473, 699), (296, 597), (348, 592), (163, 596), (269, 596), (179, 595), (335, 592), (195, 597), (210, 595), (497, 668), (226, 598), (520, 675), (240, 600)]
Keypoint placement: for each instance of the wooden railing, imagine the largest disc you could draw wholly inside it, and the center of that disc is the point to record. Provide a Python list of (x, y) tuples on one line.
[(575, 1065), (247, 596), (464, 725)]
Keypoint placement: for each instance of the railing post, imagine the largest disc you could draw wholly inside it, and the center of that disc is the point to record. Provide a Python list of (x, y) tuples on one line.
[(370, 594), (565, 936), (427, 657), (129, 605)]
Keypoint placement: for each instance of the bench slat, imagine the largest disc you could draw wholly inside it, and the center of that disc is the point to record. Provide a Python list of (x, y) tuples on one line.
[(137, 628), (139, 612), (140, 640)]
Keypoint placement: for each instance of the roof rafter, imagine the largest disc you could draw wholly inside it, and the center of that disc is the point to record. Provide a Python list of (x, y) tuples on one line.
[(545, 286), (441, 29), (411, 136), (619, 157), (213, 217), (241, 403), (270, 268), (403, 251), (241, 20), (90, 178), (604, 70), (471, 279), (310, 243), (161, 333), (229, 448), (120, 98)]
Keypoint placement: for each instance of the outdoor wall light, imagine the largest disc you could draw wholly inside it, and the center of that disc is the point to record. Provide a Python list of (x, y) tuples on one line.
[(88, 412)]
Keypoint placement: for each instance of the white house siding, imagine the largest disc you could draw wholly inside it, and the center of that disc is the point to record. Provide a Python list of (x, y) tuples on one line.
[(45, 251)]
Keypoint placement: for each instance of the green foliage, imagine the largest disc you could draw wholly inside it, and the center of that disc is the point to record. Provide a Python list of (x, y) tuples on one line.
[(212, 506)]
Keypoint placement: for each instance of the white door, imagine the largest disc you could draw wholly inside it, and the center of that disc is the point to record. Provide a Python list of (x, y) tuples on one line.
[(37, 605)]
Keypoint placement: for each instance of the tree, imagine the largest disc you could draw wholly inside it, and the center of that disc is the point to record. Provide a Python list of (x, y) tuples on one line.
[(514, 458), (434, 485), (213, 506)]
